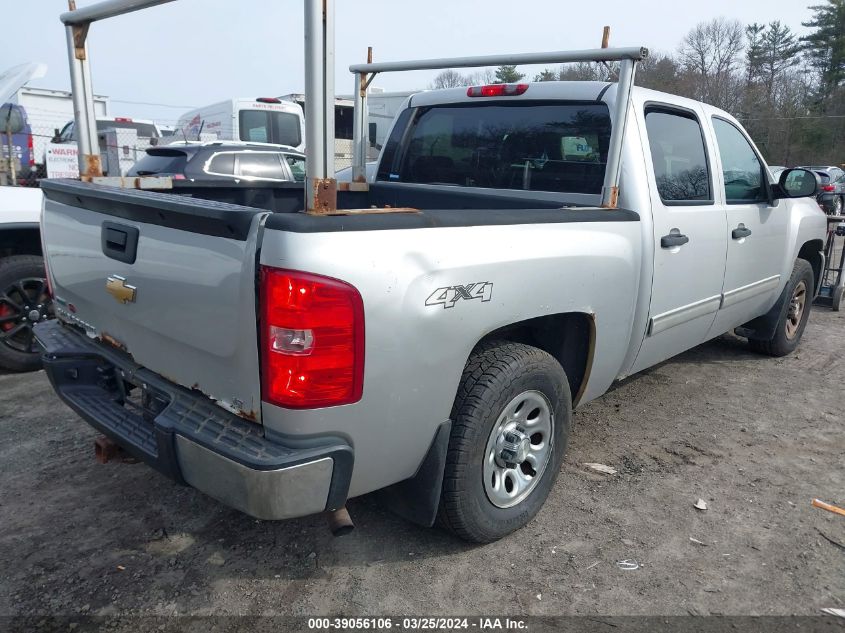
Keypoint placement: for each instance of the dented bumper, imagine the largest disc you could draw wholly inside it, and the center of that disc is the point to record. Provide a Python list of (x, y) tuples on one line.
[(185, 435)]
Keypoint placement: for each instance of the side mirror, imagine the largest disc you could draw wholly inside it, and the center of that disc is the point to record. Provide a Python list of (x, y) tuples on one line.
[(797, 183), (11, 119)]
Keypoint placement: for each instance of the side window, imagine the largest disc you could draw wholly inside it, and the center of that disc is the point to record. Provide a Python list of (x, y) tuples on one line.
[(260, 165), (678, 155), (297, 166), (741, 168), (223, 164)]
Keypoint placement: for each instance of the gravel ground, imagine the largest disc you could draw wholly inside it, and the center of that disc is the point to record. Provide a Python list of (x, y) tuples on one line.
[(757, 438)]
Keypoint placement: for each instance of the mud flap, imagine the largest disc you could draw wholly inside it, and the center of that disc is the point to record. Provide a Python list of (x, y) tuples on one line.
[(417, 499)]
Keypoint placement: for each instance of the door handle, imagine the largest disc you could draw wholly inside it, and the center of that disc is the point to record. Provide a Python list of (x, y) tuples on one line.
[(741, 231), (675, 238), (119, 241)]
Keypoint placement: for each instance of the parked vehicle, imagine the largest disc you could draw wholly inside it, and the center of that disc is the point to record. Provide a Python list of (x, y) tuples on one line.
[(432, 347), (222, 162), (145, 128), (261, 120), (18, 146), (24, 297), (831, 195)]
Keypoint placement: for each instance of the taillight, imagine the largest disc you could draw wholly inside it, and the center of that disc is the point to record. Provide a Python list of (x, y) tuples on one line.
[(268, 100), (44, 257), (828, 187), (31, 150), (497, 90), (312, 340)]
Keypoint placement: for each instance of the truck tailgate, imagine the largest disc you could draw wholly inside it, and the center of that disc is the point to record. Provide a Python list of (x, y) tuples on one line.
[(168, 279)]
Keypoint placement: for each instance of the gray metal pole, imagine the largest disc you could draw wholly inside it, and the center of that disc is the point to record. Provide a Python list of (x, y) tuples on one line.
[(515, 59), (360, 141), (321, 188), (610, 190), (107, 9), (80, 108)]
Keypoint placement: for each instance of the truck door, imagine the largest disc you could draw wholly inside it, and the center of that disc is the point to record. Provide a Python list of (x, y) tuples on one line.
[(689, 232), (756, 232)]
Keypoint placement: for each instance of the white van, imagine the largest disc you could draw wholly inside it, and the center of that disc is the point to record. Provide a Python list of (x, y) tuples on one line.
[(261, 120)]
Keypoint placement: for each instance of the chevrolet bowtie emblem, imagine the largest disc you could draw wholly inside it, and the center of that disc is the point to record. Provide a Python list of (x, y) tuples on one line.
[(120, 290)]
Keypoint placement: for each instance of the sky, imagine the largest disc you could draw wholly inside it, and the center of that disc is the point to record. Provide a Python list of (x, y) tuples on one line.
[(190, 53)]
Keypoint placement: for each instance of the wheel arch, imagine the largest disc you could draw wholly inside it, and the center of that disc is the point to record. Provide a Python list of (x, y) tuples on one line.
[(570, 337), (20, 239), (811, 251)]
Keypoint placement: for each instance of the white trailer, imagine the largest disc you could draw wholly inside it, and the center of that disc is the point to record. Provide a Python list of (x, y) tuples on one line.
[(260, 120)]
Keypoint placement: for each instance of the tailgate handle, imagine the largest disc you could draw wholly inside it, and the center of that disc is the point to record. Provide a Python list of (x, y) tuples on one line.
[(120, 242)]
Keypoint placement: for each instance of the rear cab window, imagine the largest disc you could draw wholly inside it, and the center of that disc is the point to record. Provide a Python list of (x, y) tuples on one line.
[(678, 156), (526, 145)]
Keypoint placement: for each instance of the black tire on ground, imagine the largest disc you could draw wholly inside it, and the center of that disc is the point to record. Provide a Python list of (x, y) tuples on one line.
[(494, 376), (790, 326), (19, 271)]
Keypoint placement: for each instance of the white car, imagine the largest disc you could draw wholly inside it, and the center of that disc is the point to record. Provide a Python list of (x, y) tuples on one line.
[(24, 296)]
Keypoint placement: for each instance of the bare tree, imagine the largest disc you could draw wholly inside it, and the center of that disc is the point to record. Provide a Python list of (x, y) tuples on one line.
[(481, 77), (448, 79), (711, 53)]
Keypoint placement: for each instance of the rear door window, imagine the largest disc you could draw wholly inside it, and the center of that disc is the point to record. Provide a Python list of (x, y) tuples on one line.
[(529, 145), (681, 171), (266, 165)]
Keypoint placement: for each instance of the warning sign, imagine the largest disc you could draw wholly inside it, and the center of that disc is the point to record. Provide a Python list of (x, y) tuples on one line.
[(62, 160)]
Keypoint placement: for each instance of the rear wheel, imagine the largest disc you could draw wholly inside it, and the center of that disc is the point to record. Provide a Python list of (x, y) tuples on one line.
[(511, 422), (24, 301), (795, 310)]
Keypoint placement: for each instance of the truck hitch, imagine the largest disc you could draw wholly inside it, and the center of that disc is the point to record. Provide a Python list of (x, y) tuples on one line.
[(340, 523)]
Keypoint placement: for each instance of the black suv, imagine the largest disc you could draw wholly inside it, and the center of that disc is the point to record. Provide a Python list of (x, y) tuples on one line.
[(831, 196), (222, 162)]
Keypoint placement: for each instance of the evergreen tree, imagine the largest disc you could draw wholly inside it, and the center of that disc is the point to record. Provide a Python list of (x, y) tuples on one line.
[(507, 75), (825, 46)]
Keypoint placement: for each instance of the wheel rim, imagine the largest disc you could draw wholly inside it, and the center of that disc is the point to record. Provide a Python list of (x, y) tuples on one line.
[(518, 449), (23, 304), (796, 310)]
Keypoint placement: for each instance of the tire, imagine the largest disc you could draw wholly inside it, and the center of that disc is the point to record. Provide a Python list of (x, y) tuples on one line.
[(22, 285), (496, 377), (790, 325)]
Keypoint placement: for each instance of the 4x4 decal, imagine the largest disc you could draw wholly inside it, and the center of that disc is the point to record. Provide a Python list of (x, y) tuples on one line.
[(450, 295)]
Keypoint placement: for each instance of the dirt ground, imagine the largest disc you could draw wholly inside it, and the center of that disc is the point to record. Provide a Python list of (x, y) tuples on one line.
[(757, 438)]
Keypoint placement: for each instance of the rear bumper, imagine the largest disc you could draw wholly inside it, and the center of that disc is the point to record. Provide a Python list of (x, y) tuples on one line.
[(184, 435)]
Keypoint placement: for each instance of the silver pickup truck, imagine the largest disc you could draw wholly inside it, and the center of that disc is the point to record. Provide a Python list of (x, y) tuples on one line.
[(432, 344)]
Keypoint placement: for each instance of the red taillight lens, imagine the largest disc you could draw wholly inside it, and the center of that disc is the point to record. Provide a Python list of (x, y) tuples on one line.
[(312, 340), (31, 151), (497, 90), (828, 187), (268, 100)]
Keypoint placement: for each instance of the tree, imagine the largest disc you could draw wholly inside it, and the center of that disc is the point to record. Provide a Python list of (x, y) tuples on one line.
[(710, 52), (449, 79), (771, 51), (547, 75), (825, 46), (507, 75)]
